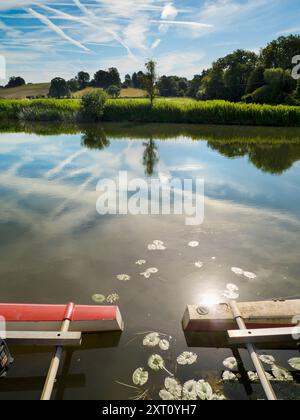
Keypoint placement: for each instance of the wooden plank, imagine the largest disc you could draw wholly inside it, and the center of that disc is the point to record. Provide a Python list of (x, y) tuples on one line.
[(256, 315), (263, 335), (34, 338)]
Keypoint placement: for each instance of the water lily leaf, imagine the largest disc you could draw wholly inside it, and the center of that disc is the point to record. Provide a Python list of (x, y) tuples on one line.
[(295, 363), (230, 363), (156, 362), (229, 376), (123, 277), (157, 246), (146, 274), (193, 244), (164, 345), (152, 247), (151, 340), (140, 262), (218, 397), (199, 264), (232, 287), (281, 374), (158, 242), (187, 358), (253, 376), (140, 377), (204, 390), (230, 295), (98, 298), (166, 395), (174, 387), (114, 297), (250, 276), (238, 271), (267, 359), (152, 270), (189, 390)]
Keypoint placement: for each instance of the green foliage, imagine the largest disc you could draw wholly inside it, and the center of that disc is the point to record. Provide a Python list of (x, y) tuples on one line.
[(15, 82), (103, 79), (92, 105), (73, 85), (114, 91), (278, 88), (150, 80), (95, 107), (59, 88), (172, 86), (83, 79), (279, 53)]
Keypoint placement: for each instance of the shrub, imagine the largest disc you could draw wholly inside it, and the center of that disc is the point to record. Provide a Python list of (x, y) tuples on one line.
[(92, 105)]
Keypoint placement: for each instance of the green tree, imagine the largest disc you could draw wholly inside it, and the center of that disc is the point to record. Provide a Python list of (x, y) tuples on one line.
[(15, 82), (279, 53), (73, 85), (83, 79), (256, 79), (212, 85), (114, 91), (127, 82), (114, 77), (101, 79), (297, 92), (92, 105), (59, 88), (150, 80)]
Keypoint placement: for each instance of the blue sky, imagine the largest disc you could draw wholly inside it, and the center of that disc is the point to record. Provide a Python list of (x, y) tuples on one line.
[(42, 39)]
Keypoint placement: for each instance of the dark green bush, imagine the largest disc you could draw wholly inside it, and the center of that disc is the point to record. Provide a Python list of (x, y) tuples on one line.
[(92, 105)]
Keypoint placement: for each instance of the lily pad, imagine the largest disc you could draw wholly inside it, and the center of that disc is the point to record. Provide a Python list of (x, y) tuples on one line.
[(250, 276), (166, 395), (140, 262), (230, 295), (156, 362), (230, 363), (140, 377), (238, 271), (229, 376), (151, 340), (99, 298), (164, 345), (199, 264), (295, 363), (193, 244), (204, 390), (267, 359), (113, 298), (123, 277), (187, 358), (281, 374), (174, 387), (189, 391), (232, 287)]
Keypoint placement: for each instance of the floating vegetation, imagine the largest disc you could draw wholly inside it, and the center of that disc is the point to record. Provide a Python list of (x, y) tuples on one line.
[(99, 298), (123, 277), (173, 387), (231, 363), (164, 345), (189, 390), (295, 363), (281, 374), (157, 246), (147, 274), (187, 358), (140, 262), (193, 244), (230, 295), (140, 377), (199, 264), (232, 287), (229, 376), (204, 390), (151, 340), (240, 272), (113, 298), (253, 376), (268, 360)]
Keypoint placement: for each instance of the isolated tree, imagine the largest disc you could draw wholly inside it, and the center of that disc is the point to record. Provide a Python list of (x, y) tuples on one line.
[(150, 80), (114, 91), (59, 88), (15, 82), (83, 79), (92, 105), (127, 82)]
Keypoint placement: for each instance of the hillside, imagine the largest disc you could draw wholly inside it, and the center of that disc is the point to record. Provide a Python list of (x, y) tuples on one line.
[(42, 89), (22, 92)]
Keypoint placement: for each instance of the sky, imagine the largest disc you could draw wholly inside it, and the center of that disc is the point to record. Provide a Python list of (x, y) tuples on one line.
[(43, 39)]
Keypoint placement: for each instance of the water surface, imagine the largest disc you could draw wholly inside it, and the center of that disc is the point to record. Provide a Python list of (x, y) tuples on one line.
[(56, 248)]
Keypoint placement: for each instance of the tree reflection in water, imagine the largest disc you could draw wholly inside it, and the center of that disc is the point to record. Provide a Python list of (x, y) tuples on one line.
[(95, 138), (150, 157)]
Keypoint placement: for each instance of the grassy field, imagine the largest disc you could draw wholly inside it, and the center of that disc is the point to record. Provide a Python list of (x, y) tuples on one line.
[(22, 92), (42, 89)]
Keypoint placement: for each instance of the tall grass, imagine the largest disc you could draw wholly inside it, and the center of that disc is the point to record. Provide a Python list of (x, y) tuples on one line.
[(163, 111)]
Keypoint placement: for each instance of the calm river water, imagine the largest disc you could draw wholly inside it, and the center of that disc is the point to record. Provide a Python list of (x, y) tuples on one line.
[(56, 248)]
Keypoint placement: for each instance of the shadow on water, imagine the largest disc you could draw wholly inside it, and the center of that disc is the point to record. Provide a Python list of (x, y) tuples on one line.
[(272, 150)]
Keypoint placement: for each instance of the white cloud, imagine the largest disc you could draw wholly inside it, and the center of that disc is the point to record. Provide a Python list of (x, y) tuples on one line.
[(169, 12)]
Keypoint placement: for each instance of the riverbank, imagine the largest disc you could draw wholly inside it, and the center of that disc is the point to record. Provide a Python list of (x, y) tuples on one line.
[(163, 111)]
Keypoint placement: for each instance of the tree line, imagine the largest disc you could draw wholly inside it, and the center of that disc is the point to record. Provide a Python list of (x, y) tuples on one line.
[(242, 76)]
